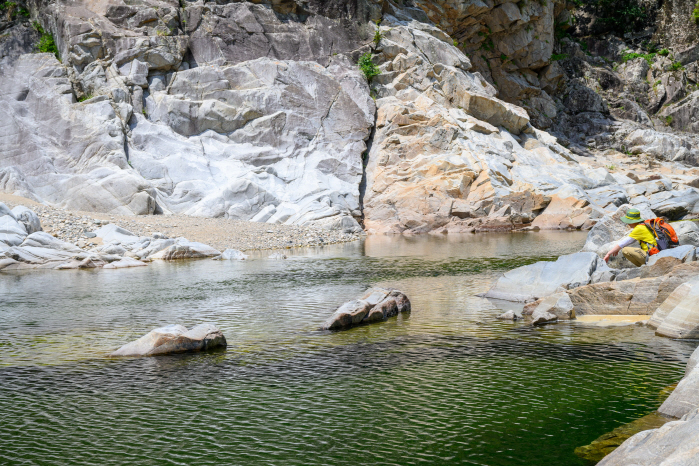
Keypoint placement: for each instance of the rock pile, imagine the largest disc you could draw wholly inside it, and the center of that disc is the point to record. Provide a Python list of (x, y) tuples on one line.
[(376, 305), (174, 339)]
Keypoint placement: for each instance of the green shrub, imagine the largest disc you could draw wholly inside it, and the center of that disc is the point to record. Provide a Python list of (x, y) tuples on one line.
[(695, 13), (46, 43), (377, 36), (558, 56), (368, 67), (676, 66), (668, 120), (85, 97), (632, 56), (664, 53)]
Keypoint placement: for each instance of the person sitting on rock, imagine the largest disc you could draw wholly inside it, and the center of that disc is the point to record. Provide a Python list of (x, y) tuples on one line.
[(640, 233)]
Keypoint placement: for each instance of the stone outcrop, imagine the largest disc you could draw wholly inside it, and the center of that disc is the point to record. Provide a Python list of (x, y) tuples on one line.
[(676, 442), (542, 279), (376, 305), (174, 339), (678, 315)]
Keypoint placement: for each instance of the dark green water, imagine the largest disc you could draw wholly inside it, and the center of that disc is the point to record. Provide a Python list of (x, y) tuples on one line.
[(448, 384)]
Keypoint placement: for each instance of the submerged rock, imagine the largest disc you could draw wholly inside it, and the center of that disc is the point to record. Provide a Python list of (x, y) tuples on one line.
[(232, 255), (541, 279), (509, 315), (543, 317), (174, 339), (558, 304), (377, 304)]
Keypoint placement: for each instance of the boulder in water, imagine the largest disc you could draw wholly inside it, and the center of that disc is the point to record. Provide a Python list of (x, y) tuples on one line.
[(232, 255), (509, 315), (541, 279), (685, 398), (174, 339), (558, 304), (542, 317), (377, 304)]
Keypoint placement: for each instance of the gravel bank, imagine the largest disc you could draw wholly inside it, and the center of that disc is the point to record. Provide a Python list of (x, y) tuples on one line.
[(218, 233)]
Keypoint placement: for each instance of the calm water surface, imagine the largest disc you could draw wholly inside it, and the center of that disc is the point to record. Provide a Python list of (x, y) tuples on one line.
[(447, 384)]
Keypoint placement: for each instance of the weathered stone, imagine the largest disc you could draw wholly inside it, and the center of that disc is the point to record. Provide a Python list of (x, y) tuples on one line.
[(377, 304), (678, 315), (630, 297), (28, 218), (685, 253), (541, 279), (232, 255), (558, 304), (125, 262), (184, 249), (174, 339), (564, 214), (684, 399), (687, 232), (509, 315), (542, 317)]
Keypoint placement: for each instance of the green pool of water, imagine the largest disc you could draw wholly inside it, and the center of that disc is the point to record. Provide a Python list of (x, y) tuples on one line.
[(448, 384)]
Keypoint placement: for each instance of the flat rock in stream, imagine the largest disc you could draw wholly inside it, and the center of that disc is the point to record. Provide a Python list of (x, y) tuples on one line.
[(174, 339), (541, 279), (376, 305)]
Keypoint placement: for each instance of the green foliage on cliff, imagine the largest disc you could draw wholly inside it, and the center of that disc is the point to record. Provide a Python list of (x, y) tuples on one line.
[(12, 11), (558, 56), (632, 56), (46, 43), (695, 13), (368, 67)]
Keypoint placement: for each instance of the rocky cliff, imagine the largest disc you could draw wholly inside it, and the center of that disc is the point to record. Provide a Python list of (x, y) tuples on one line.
[(257, 110)]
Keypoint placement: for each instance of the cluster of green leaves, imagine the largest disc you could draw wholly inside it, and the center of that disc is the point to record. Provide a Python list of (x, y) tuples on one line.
[(368, 67), (695, 13), (46, 43), (668, 120), (558, 56), (13, 10), (664, 53), (632, 56), (676, 66), (377, 36), (84, 97)]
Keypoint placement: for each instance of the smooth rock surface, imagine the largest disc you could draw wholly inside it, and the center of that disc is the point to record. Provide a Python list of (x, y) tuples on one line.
[(678, 315), (541, 279), (174, 339), (685, 398)]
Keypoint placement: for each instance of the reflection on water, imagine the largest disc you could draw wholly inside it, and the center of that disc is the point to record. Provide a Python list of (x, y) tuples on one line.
[(446, 384)]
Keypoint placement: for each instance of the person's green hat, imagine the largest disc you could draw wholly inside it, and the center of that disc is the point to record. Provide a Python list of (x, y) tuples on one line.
[(632, 216)]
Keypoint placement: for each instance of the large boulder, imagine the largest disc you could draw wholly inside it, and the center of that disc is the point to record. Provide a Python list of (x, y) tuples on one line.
[(174, 339), (678, 315), (636, 296), (377, 304), (12, 232), (674, 444), (685, 253), (185, 249), (685, 398), (28, 218), (687, 232), (541, 279)]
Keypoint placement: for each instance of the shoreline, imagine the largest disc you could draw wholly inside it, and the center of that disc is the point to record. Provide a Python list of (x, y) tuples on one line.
[(219, 233)]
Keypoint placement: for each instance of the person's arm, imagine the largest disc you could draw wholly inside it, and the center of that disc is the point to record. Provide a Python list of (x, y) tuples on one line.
[(618, 247)]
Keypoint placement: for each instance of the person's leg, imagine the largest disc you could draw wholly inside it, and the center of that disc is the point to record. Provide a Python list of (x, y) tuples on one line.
[(635, 255)]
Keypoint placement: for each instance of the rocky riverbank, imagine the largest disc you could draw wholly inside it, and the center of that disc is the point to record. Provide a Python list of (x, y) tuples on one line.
[(219, 233)]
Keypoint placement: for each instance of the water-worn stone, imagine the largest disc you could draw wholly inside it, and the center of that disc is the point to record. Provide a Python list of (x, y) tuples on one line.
[(684, 253), (674, 444), (542, 317), (678, 316), (232, 255), (174, 339), (541, 279), (509, 315), (687, 232), (124, 263), (185, 249), (684, 399), (558, 304), (377, 304), (628, 297)]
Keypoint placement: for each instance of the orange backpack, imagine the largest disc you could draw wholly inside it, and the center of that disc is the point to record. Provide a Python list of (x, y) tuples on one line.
[(664, 235)]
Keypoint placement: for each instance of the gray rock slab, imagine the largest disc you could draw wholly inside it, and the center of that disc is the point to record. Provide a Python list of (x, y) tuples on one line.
[(684, 253), (185, 249), (678, 316), (684, 399), (233, 255), (541, 279), (687, 232), (112, 233), (541, 317), (12, 232), (28, 218), (41, 239), (674, 444), (174, 339)]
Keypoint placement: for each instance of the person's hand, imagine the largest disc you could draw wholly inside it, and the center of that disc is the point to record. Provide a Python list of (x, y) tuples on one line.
[(615, 250)]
